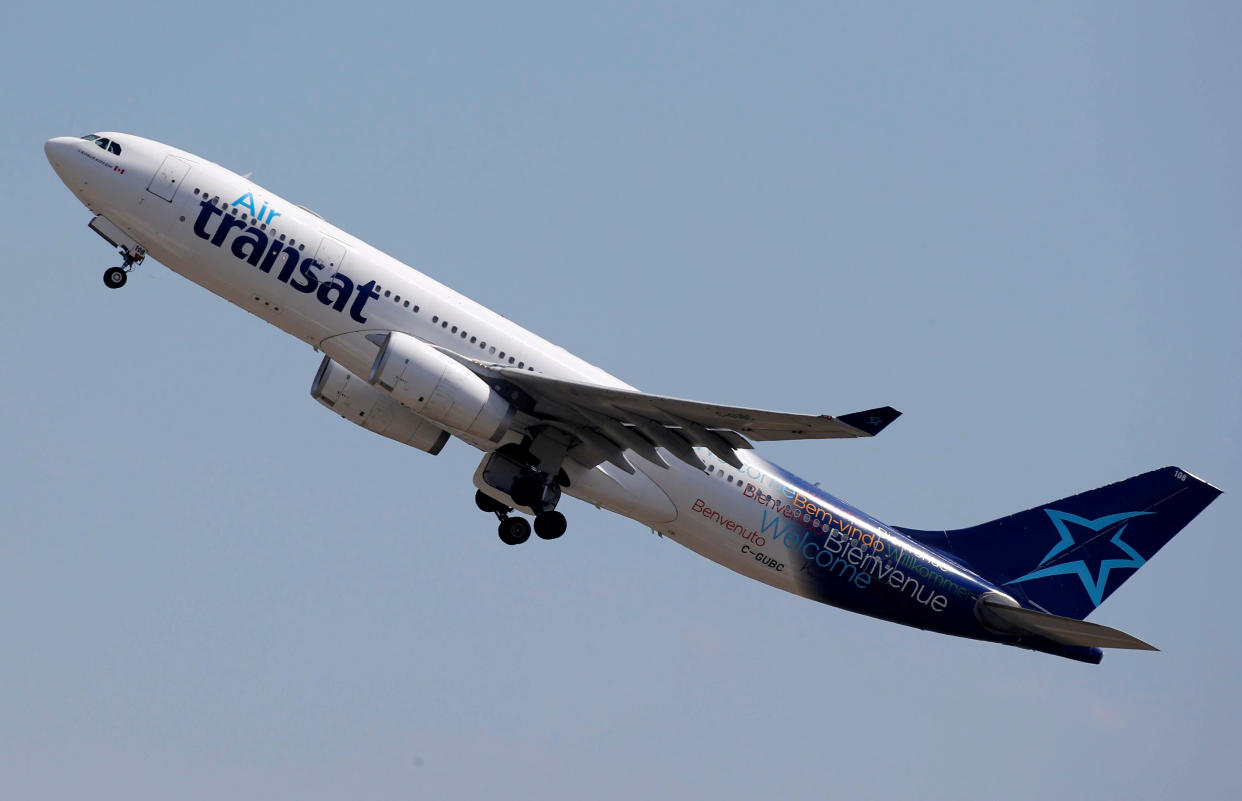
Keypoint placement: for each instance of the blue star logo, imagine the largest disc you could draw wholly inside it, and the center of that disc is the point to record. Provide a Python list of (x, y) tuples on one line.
[(1094, 585)]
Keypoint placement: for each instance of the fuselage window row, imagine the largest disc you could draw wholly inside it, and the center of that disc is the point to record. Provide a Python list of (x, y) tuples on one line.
[(405, 303)]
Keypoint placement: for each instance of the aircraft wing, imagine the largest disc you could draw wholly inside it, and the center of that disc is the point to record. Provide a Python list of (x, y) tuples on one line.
[(608, 420)]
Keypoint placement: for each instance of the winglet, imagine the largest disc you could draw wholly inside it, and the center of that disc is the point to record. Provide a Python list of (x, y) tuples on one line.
[(872, 421)]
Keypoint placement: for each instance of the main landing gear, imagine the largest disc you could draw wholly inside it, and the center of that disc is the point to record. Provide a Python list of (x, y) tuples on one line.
[(115, 277), (549, 524)]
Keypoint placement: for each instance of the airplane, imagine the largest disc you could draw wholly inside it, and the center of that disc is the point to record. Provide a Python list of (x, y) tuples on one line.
[(409, 359)]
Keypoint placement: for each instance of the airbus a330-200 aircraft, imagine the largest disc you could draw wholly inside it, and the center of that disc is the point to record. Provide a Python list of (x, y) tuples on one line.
[(410, 359)]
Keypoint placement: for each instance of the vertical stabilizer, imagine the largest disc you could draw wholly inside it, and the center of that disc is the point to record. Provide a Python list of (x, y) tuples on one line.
[(1068, 556)]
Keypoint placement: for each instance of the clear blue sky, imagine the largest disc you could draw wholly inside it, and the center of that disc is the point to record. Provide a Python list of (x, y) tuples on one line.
[(1018, 225)]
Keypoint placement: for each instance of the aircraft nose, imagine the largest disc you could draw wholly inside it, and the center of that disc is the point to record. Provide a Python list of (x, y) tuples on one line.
[(56, 150)]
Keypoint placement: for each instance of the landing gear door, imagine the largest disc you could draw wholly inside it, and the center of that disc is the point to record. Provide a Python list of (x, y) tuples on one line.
[(330, 256), (168, 178)]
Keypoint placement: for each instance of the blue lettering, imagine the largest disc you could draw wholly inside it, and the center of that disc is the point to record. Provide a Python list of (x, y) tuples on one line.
[(252, 245), (246, 201)]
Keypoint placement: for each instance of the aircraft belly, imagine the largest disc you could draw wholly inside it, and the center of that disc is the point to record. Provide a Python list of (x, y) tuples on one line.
[(635, 496)]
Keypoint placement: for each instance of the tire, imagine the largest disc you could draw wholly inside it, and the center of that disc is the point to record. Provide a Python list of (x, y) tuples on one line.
[(514, 530), (487, 503), (115, 278), (550, 525)]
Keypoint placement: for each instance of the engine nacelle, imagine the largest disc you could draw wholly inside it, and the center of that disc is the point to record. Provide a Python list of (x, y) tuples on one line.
[(439, 388), (359, 402)]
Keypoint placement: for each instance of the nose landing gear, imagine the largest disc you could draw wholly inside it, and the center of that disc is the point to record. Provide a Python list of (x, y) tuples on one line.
[(115, 277), (132, 253)]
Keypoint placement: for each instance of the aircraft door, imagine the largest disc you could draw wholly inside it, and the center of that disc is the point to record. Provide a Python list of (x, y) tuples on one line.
[(168, 178), (330, 256)]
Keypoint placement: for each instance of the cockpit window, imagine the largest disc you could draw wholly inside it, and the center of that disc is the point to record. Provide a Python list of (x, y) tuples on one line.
[(106, 144)]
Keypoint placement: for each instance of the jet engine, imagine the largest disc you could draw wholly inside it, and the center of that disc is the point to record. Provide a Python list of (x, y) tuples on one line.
[(439, 388), (359, 402)]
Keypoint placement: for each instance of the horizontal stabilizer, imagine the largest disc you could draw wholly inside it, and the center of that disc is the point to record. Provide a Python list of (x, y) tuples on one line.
[(1064, 630)]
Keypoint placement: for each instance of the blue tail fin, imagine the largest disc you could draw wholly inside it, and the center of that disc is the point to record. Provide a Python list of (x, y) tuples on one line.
[(1066, 557)]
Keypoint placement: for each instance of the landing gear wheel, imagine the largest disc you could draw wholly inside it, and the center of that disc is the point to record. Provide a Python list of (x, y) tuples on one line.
[(514, 530), (526, 491), (550, 525), (487, 503), (114, 278)]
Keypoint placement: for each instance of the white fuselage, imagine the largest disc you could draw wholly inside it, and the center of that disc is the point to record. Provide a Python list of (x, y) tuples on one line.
[(156, 193)]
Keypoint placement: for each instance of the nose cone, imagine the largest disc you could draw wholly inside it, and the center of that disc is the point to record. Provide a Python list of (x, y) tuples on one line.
[(57, 151)]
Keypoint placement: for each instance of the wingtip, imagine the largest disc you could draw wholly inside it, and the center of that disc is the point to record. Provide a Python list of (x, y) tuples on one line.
[(871, 421)]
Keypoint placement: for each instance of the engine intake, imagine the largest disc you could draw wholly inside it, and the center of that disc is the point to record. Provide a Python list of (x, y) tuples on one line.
[(360, 403), (439, 388)]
